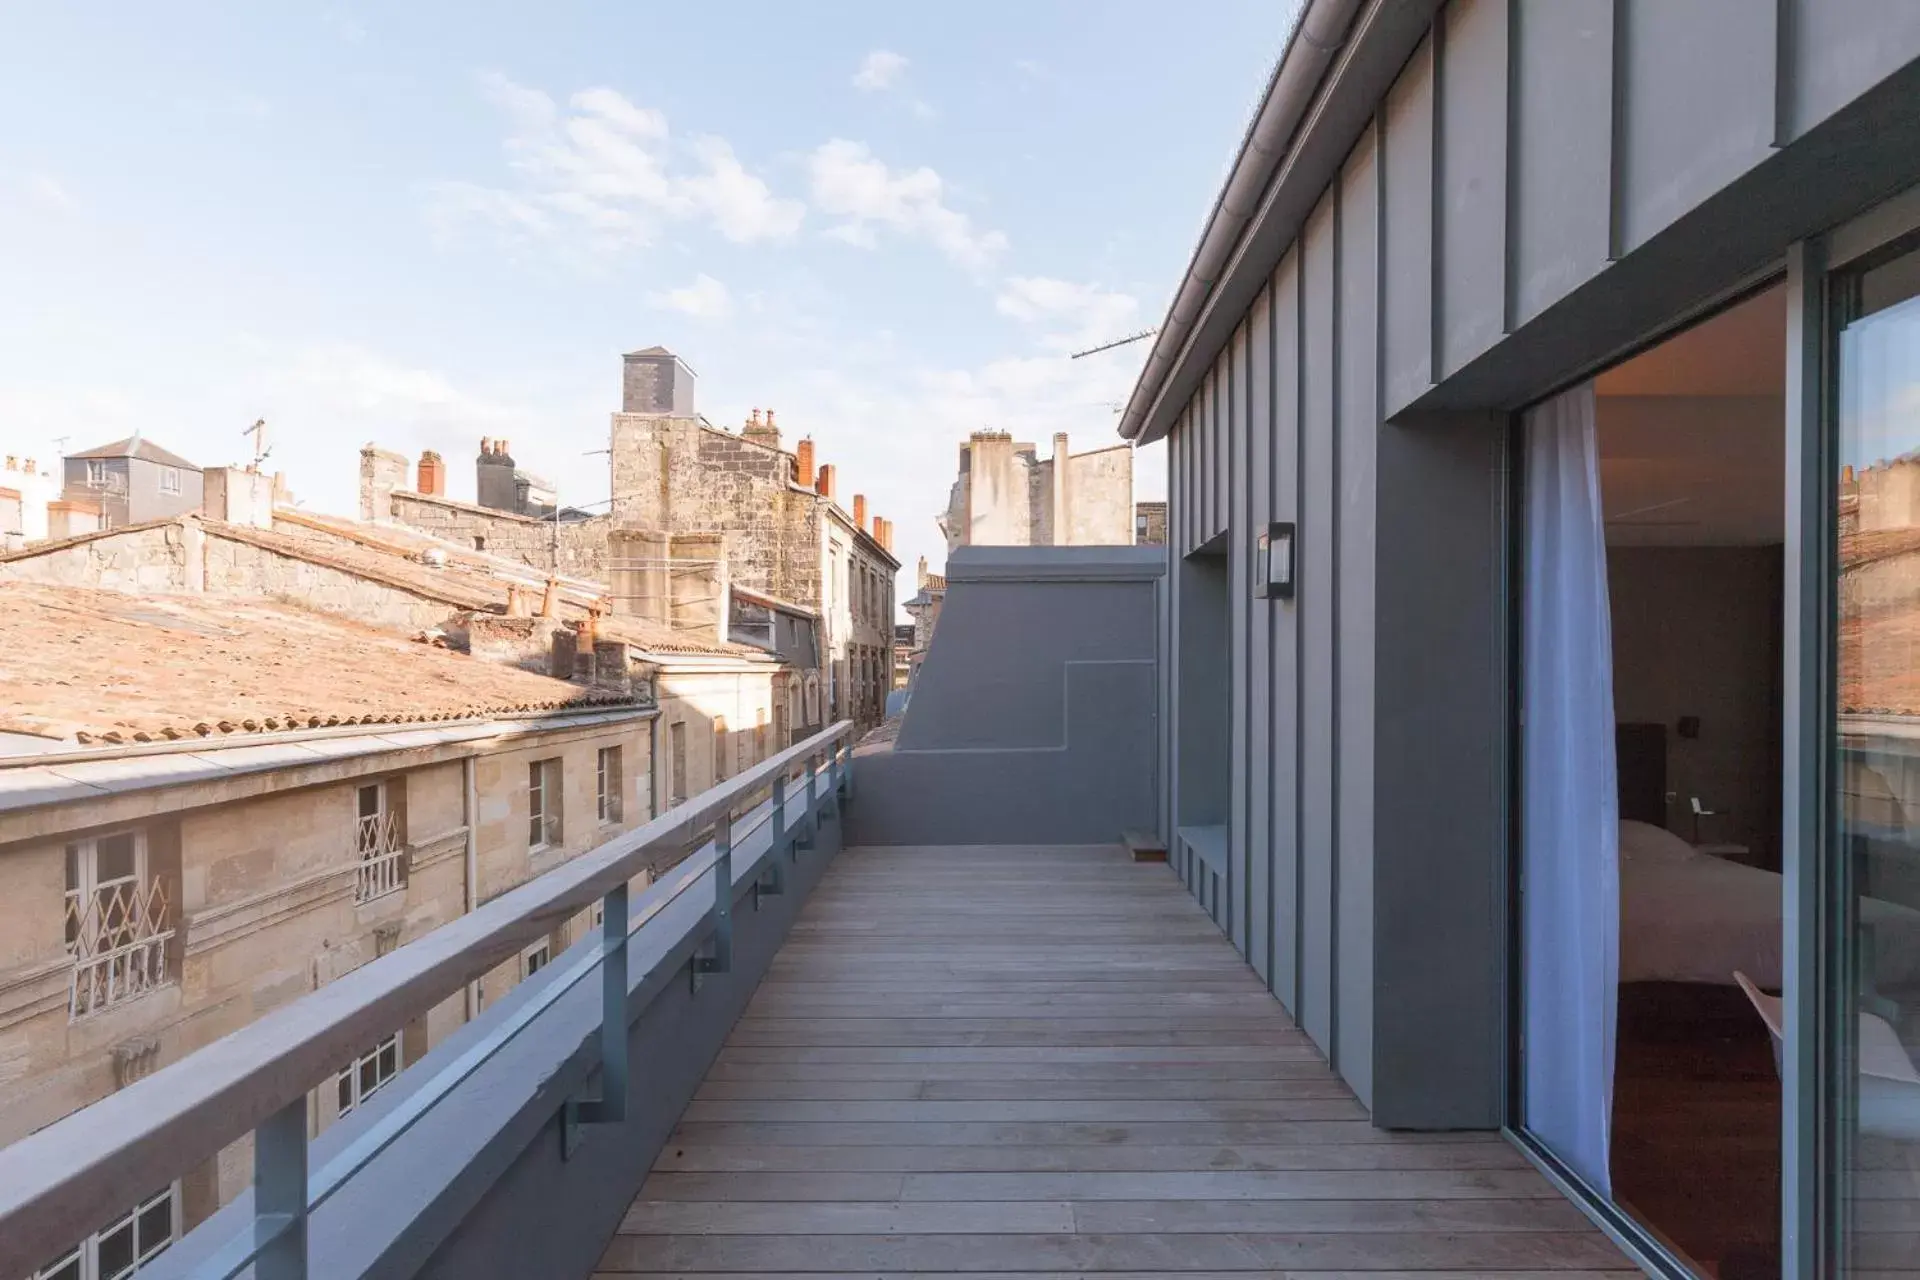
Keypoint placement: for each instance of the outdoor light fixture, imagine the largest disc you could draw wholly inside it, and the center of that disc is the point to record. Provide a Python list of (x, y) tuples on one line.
[(1273, 562)]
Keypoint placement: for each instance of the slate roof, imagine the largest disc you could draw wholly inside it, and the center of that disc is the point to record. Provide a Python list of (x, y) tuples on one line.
[(134, 446)]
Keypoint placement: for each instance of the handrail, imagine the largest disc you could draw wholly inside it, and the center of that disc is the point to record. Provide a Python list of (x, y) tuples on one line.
[(61, 1182)]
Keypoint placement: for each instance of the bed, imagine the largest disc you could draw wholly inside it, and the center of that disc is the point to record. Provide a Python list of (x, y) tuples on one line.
[(1687, 916)]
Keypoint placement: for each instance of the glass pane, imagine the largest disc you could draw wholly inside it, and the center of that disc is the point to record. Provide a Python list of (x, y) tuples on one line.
[(155, 1227), (370, 802), (369, 1076), (113, 858), (1876, 863), (389, 1059), (116, 1252), (66, 1268)]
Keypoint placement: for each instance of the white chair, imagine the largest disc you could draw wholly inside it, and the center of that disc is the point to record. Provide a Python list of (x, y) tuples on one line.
[(1889, 1084)]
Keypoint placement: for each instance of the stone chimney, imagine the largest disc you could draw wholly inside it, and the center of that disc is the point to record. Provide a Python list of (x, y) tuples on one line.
[(656, 381), (493, 476), (432, 475), (764, 433), (550, 602), (823, 482), (382, 471), (860, 512), (921, 581), (803, 463), (1062, 493)]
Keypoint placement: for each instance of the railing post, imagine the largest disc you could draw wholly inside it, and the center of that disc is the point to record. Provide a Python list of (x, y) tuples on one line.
[(611, 1106), (813, 798), (846, 772), (774, 879), (721, 961), (280, 1193)]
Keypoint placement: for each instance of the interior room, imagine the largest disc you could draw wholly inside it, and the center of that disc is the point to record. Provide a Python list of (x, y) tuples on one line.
[(1690, 441)]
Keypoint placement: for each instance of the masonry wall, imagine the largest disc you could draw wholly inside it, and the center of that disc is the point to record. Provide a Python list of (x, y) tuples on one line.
[(581, 545), (151, 560)]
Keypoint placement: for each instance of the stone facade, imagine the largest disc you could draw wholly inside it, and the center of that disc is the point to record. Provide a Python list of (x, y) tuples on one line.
[(1150, 524), (266, 899), (1005, 495), (576, 548)]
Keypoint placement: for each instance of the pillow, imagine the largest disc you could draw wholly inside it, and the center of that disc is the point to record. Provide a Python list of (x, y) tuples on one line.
[(1642, 842)]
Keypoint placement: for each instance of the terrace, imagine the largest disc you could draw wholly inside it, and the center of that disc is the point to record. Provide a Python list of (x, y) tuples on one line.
[(827, 1043)]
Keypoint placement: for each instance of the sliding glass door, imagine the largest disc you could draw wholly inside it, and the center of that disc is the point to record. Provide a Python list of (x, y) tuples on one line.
[(1871, 866)]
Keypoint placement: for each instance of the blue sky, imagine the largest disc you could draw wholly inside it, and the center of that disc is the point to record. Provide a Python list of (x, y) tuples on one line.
[(423, 224)]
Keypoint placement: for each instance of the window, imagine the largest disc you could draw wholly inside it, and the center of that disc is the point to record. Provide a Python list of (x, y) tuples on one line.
[(118, 922), (124, 1246), (608, 785), (543, 804), (96, 473), (1140, 527), (368, 1074), (170, 480), (719, 749), (383, 855), (677, 762), (536, 957), (479, 542)]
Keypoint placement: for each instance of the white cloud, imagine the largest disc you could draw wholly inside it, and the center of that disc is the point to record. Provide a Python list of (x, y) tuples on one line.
[(609, 171), (879, 70), (704, 299), (46, 191), (850, 182), (1071, 316)]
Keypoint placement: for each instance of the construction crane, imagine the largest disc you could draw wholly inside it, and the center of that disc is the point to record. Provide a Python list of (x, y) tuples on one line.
[(1117, 342)]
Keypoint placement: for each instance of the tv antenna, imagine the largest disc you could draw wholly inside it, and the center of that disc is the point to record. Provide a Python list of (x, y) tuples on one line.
[(1117, 342), (261, 449)]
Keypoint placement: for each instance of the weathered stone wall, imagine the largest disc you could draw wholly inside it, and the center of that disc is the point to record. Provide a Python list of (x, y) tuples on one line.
[(153, 560), (582, 544), (240, 568), (1154, 534), (1100, 498)]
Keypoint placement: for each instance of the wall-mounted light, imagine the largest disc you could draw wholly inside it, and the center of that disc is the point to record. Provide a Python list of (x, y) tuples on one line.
[(1273, 562)]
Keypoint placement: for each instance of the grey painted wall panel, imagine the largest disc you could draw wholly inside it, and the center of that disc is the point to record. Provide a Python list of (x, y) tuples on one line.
[(1315, 603), (1472, 179), (1691, 123), (1563, 143), (1408, 236), (1284, 629), (1440, 818), (1841, 48), (1359, 429), (1258, 695), (1239, 578)]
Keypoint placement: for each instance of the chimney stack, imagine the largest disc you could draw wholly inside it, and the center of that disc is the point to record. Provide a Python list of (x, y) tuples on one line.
[(860, 512), (550, 602), (823, 483), (923, 573), (803, 463), (887, 541), (433, 475), (761, 433)]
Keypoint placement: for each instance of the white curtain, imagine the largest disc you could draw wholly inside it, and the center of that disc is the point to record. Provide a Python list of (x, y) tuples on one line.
[(1570, 805)]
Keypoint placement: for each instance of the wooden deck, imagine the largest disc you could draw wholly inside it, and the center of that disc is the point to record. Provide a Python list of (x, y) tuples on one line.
[(1046, 1061)]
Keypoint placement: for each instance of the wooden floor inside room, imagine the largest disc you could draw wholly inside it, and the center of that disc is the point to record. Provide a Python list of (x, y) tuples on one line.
[(1047, 1061)]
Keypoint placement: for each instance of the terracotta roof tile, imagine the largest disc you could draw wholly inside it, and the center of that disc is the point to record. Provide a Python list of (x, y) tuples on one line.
[(101, 666)]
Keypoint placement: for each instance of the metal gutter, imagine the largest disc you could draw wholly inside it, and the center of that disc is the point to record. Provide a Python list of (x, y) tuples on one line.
[(1318, 34)]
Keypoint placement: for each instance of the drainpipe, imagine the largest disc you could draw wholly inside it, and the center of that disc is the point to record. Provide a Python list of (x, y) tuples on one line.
[(471, 798)]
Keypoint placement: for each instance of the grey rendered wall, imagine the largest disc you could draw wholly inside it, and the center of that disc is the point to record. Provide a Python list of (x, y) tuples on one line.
[(1033, 717), (1544, 183), (145, 501)]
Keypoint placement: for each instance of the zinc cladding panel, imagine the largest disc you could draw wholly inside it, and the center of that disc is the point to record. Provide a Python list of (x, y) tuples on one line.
[(1358, 436), (1408, 237), (1472, 67), (1837, 49), (1239, 586), (1316, 593), (1691, 124), (1563, 140), (1258, 690), (1284, 624)]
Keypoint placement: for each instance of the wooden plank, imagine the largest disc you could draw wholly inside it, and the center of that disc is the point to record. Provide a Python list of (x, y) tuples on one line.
[(1047, 1064)]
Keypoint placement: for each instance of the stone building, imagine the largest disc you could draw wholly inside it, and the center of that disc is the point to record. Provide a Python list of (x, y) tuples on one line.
[(262, 799), (1006, 496), (1150, 524), (519, 523), (28, 487), (924, 609), (131, 481)]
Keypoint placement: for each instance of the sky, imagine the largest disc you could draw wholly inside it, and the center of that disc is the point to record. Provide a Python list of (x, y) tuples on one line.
[(420, 225)]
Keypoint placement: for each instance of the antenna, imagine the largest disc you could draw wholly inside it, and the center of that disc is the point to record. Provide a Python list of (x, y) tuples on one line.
[(1117, 342), (260, 446)]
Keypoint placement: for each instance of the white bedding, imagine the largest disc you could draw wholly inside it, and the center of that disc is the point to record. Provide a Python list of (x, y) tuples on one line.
[(1687, 916)]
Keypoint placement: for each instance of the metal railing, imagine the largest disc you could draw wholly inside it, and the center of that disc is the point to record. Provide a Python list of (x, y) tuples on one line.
[(382, 867), (60, 1183), (120, 935)]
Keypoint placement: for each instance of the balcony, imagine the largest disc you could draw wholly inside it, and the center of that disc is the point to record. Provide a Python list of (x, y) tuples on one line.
[(862, 1028)]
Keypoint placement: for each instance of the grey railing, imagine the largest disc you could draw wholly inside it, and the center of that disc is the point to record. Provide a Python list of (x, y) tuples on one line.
[(58, 1184)]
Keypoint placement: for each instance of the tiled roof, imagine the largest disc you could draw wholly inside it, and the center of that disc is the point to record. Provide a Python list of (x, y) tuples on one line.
[(135, 447), (103, 667)]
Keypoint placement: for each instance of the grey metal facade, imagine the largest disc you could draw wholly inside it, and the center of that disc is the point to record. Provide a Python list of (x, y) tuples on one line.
[(1484, 201)]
